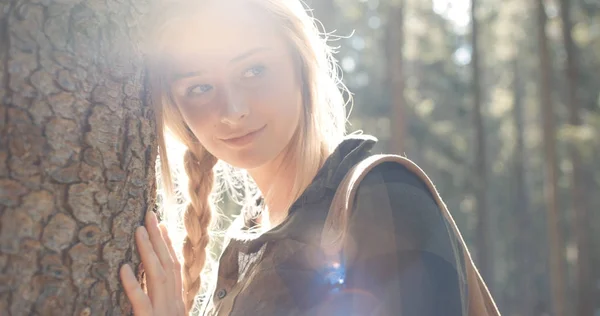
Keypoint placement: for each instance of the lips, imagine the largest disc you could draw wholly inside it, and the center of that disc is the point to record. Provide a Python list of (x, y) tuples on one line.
[(240, 135), (243, 138)]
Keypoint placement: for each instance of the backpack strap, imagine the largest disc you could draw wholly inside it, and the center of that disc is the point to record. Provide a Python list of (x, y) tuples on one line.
[(476, 297)]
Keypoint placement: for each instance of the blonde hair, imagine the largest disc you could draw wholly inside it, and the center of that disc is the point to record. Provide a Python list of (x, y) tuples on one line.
[(321, 129)]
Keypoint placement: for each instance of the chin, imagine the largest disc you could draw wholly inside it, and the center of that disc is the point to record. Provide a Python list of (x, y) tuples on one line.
[(249, 158), (247, 162)]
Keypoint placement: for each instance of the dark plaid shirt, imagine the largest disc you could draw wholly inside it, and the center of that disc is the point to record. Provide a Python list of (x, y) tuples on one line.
[(404, 265)]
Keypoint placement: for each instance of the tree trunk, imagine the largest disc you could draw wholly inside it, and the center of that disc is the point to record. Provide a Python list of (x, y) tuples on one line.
[(556, 240), (483, 244), (77, 152), (395, 59), (579, 209), (523, 249)]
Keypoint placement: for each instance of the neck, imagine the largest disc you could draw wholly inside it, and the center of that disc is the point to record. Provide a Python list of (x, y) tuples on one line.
[(275, 180)]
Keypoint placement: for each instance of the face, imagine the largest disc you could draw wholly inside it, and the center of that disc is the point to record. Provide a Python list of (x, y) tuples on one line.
[(235, 81)]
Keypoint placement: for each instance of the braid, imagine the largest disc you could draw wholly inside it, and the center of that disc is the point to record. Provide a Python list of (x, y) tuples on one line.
[(197, 218)]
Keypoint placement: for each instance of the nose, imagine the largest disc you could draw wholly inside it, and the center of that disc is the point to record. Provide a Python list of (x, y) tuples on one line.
[(235, 108)]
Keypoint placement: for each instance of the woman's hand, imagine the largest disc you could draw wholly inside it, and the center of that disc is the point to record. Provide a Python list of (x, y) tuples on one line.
[(163, 273)]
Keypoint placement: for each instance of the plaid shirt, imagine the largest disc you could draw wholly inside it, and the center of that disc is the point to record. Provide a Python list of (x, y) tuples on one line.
[(406, 260)]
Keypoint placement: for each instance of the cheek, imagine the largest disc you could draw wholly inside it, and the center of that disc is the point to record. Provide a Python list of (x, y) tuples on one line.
[(280, 99), (201, 122)]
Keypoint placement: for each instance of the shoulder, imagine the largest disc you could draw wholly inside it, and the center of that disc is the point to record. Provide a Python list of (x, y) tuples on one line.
[(395, 183), (395, 199), (391, 174), (403, 242)]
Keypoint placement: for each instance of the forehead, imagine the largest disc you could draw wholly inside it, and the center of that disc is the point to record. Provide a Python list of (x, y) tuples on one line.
[(221, 31)]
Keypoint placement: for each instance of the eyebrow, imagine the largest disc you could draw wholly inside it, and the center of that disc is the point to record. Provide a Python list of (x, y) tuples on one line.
[(248, 54), (236, 59)]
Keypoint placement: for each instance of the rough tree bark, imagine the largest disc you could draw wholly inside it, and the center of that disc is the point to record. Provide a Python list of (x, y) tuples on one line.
[(555, 236), (77, 152)]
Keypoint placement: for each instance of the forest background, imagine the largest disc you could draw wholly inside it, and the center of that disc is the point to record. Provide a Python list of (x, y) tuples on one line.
[(497, 100)]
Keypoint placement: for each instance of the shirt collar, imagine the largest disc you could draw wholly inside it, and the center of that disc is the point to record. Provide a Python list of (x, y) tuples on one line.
[(349, 152)]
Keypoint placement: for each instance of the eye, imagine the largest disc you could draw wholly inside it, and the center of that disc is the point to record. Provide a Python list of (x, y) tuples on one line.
[(198, 89), (254, 71)]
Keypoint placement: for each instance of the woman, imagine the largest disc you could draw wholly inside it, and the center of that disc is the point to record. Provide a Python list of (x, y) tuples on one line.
[(249, 85)]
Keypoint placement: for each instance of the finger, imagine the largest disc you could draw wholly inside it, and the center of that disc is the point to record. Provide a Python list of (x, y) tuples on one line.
[(165, 234), (176, 265), (156, 277), (161, 249), (139, 300), (158, 242)]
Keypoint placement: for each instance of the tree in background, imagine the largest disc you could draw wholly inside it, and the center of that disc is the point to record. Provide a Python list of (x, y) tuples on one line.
[(555, 235), (439, 91), (484, 249), (522, 247), (579, 207), (395, 76)]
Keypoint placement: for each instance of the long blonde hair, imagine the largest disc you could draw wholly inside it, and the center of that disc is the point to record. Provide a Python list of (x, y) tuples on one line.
[(185, 163)]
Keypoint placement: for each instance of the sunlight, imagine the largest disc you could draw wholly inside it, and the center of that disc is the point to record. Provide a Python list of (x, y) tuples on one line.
[(462, 56), (456, 11), (348, 64)]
